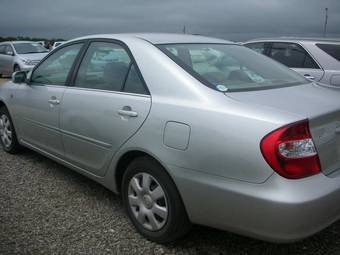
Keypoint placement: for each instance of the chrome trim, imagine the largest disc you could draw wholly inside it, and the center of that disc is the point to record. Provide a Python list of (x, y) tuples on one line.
[(87, 139), (109, 91)]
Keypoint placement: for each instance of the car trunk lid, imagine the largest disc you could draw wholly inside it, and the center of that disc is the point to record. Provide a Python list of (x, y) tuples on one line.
[(321, 105)]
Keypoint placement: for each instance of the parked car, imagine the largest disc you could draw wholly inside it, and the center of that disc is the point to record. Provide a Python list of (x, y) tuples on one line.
[(42, 43), (316, 59), (188, 129), (56, 44), (20, 55)]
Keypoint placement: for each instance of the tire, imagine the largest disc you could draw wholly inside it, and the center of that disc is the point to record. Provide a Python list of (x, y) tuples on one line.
[(140, 202), (8, 137), (16, 68)]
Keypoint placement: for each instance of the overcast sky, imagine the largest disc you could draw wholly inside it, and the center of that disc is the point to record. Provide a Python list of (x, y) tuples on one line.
[(230, 19)]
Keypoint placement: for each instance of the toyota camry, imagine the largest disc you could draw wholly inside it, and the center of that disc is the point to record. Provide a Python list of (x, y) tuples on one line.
[(188, 129)]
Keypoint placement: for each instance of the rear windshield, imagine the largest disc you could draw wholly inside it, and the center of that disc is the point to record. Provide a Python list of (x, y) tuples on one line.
[(27, 48), (228, 67), (331, 49)]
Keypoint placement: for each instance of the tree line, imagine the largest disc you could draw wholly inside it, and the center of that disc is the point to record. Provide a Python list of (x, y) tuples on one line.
[(28, 38)]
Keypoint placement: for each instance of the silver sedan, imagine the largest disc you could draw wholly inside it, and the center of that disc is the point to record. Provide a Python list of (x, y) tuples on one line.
[(188, 129)]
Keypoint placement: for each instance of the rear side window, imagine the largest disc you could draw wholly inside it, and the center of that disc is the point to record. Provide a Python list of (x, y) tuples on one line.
[(331, 49), (107, 66), (134, 83), (104, 67), (2, 49), (8, 50), (292, 55), (258, 47)]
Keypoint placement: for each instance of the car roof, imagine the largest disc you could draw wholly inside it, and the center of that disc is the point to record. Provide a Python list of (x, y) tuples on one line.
[(296, 39), (160, 38), (14, 42)]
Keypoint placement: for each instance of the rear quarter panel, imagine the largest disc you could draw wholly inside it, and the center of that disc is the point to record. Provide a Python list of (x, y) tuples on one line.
[(224, 141)]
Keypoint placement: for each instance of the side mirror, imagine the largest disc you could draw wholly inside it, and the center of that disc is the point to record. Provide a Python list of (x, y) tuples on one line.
[(19, 77), (10, 53)]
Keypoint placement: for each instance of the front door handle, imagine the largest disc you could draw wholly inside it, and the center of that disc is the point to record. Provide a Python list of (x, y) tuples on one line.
[(54, 101), (308, 76)]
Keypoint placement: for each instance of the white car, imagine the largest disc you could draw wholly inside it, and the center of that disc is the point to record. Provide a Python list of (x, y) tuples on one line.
[(316, 59), (56, 44), (20, 56), (42, 43)]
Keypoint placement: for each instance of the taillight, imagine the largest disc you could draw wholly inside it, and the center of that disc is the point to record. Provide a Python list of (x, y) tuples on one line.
[(291, 152)]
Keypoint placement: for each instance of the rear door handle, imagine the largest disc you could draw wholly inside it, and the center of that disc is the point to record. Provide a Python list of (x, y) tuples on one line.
[(127, 113), (54, 101), (308, 76)]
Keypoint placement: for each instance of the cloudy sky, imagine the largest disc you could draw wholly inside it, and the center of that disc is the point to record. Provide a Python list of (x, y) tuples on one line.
[(230, 19)]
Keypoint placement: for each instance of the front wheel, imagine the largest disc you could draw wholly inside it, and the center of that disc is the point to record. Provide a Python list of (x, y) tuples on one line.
[(152, 202), (16, 68), (8, 138)]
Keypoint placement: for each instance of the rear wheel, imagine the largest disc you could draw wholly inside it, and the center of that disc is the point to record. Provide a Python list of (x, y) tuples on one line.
[(152, 202), (8, 138)]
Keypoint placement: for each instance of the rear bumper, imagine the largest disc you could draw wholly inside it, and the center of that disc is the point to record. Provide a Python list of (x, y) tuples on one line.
[(278, 210)]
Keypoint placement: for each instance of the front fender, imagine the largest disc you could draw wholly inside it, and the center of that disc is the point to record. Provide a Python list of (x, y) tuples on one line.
[(5, 92), (7, 96)]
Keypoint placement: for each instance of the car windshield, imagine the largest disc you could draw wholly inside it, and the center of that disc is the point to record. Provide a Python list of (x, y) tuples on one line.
[(230, 67), (27, 48)]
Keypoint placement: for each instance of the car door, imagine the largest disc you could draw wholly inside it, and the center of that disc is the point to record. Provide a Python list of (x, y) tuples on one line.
[(9, 51), (38, 103), (106, 105), (297, 58), (2, 53), (6, 59)]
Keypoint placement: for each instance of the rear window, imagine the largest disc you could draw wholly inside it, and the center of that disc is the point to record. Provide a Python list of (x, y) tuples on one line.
[(229, 67), (331, 49)]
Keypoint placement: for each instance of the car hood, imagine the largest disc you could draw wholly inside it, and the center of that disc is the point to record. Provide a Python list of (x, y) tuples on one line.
[(308, 101), (33, 56), (320, 104)]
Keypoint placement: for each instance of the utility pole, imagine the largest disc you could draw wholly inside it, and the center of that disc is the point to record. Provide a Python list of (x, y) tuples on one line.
[(326, 20), (184, 30)]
